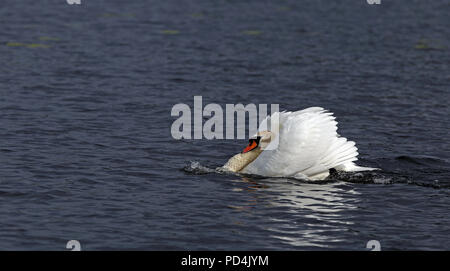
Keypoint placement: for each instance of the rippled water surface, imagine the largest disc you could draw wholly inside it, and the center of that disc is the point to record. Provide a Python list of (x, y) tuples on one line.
[(86, 151)]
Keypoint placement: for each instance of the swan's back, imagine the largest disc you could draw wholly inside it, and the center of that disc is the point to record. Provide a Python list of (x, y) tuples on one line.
[(308, 147)]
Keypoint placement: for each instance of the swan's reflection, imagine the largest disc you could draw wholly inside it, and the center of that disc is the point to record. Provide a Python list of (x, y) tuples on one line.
[(303, 214)]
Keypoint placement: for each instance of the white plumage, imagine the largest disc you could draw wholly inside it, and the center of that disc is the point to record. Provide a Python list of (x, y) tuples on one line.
[(308, 147)]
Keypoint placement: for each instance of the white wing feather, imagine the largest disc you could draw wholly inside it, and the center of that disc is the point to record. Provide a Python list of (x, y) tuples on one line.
[(308, 146)]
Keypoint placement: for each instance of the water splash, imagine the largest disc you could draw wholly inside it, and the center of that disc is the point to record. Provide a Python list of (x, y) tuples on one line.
[(196, 168), (369, 177)]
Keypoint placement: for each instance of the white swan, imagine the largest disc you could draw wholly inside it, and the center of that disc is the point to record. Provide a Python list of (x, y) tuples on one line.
[(308, 147)]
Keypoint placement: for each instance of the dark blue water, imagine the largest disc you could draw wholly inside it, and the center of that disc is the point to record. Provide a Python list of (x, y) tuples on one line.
[(86, 151)]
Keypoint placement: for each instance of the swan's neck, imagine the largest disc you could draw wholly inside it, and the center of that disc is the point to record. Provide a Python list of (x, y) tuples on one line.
[(241, 160)]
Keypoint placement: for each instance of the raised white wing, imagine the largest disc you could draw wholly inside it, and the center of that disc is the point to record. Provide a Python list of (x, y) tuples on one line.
[(308, 147)]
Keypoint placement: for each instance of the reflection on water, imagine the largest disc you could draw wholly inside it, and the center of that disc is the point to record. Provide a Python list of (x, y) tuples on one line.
[(307, 214)]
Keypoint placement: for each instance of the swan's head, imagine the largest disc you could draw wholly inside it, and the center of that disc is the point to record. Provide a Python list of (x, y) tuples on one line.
[(256, 146), (260, 141)]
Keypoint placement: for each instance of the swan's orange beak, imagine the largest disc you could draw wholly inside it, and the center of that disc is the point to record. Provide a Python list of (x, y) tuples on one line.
[(253, 144)]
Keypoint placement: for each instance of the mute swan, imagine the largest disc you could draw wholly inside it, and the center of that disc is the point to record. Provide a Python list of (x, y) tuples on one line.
[(308, 146)]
